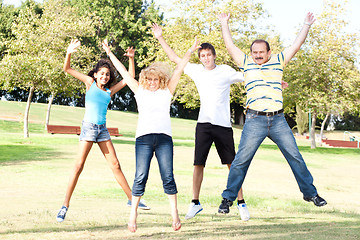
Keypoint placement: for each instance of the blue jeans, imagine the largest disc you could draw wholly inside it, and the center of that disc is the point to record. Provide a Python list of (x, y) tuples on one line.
[(145, 147), (256, 129)]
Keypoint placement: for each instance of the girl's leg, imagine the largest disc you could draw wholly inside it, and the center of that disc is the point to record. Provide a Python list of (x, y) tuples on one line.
[(144, 154), (84, 149), (133, 213), (176, 224), (164, 153), (108, 150)]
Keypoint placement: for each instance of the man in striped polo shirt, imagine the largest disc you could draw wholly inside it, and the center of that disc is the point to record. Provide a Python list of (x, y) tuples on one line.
[(264, 118)]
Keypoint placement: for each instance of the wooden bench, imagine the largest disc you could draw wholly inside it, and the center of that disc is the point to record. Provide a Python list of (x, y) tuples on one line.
[(114, 132), (63, 129), (76, 130)]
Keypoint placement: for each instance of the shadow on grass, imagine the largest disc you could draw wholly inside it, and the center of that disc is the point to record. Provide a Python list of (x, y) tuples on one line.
[(320, 150), (132, 142), (215, 226), (17, 154)]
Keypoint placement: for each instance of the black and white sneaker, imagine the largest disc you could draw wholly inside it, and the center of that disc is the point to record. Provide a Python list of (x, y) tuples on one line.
[(225, 206), (317, 200), (61, 215)]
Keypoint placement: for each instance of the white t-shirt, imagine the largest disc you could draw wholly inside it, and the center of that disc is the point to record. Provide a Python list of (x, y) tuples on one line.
[(154, 111), (214, 90)]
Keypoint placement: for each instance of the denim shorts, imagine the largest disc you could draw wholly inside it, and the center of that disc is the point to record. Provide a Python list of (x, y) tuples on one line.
[(94, 133)]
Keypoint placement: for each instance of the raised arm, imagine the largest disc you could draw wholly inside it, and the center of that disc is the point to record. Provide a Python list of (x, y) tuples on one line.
[(236, 54), (74, 44), (181, 65), (127, 77), (300, 39), (168, 50), (130, 52)]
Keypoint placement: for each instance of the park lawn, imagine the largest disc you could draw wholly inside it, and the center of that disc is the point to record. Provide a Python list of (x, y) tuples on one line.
[(34, 174)]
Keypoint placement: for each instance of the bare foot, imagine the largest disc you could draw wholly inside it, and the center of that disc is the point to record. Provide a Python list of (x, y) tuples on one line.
[(176, 225), (132, 221), (132, 227)]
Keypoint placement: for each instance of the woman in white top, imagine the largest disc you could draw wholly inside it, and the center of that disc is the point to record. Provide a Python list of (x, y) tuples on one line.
[(153, 95)]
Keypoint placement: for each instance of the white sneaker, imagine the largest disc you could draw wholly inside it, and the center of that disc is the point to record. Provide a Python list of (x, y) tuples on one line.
[(193, 210), (62, 213), (244, 212)]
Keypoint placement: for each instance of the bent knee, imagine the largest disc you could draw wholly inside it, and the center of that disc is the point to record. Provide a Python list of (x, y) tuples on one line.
[(114, 165)]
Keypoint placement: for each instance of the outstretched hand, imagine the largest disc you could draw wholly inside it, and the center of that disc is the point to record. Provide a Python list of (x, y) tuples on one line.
[(309, 19), (157, 30), (195, 45), (74, 44), (106, 47), (284, 84), (130, 52), (224, 17)]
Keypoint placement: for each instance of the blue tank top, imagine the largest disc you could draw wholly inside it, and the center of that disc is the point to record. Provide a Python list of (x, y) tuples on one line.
[(96, 103)]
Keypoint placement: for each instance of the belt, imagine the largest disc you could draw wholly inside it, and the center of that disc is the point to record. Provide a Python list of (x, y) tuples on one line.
[(268, 114)]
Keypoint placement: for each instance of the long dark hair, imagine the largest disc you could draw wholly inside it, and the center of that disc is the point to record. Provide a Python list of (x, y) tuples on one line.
[(103, 63)]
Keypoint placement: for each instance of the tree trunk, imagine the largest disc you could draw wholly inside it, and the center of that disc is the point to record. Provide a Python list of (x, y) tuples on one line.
[(312, 134), (27, 110), (51, 99), (323, 125), (302, 120)]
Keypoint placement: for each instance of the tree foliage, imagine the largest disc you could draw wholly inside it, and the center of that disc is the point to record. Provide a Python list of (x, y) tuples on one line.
[(35, 55), (324, 77), (124, 23)]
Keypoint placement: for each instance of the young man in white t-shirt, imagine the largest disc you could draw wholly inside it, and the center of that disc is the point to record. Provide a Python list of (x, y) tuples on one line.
[(213, 126)]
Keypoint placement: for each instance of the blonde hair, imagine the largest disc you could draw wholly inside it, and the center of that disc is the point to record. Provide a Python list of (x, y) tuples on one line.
[(159, 69)]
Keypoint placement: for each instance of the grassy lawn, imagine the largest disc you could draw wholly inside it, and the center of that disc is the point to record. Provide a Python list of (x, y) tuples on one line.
[(34, 174)]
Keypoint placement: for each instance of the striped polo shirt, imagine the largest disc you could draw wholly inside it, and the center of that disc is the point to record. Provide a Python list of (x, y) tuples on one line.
[(263, 83)]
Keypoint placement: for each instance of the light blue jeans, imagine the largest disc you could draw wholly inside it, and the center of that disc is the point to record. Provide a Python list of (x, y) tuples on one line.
[(145, 147), (256, 129)]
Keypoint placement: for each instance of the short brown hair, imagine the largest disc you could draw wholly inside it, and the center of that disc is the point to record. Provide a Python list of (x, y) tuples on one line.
[(206, 46)]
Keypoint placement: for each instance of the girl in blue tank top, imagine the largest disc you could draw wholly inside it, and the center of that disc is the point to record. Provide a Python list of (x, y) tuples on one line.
[(100, 88)]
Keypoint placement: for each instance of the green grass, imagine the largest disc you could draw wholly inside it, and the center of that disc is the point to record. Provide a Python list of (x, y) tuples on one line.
[(34, 174)]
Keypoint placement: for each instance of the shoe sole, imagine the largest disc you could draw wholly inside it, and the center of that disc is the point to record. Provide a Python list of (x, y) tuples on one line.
[(142, 208), (189, 217), (223, 211), (318, 205)]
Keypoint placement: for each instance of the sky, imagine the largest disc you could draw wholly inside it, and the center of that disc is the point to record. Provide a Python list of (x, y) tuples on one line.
[(286, 15)]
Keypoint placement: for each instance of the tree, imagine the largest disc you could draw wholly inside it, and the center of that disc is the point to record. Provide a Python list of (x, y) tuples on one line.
[(35, 55), (124, 23), (324, 77)]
